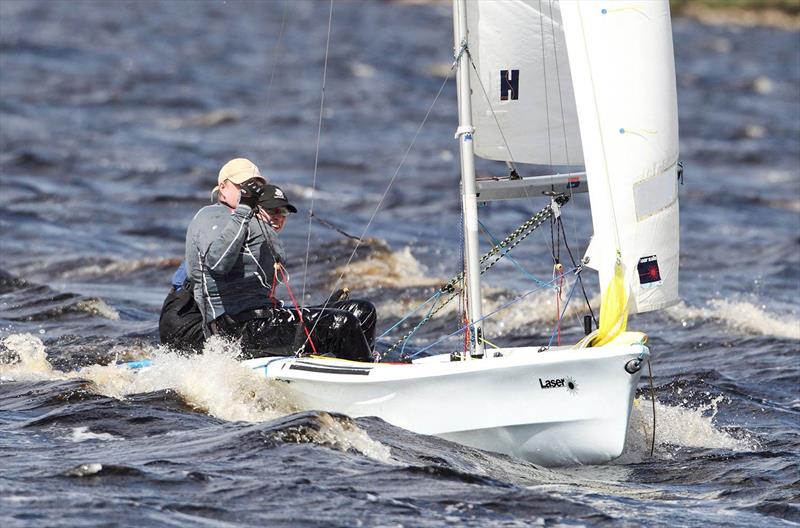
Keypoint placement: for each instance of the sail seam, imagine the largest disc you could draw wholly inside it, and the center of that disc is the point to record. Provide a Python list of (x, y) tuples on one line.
[(316, 153)]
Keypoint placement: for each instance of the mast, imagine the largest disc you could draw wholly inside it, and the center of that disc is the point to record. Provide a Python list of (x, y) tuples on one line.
[(469, 199)]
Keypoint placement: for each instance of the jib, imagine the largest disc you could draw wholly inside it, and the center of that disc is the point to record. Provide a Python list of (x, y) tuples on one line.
[(551, 383)]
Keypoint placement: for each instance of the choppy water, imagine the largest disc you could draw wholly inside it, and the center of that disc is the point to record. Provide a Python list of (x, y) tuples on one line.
[(114, 119)]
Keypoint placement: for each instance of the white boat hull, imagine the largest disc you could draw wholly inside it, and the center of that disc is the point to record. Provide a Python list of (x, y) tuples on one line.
[(560, 407)]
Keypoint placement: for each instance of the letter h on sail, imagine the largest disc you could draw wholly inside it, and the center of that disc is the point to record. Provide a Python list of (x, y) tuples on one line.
[(509, 84)]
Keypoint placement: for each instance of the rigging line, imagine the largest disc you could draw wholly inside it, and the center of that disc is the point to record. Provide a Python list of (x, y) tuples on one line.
[(391, 182), (501, 307), (544, 78), (520, 233), (275, 54), (332, 226), (564, 131), (580, 277), (427, 318), (497, 122), (513, 239), (558, 80), (653, 400), (412, 312), (561, 316), (506, 253), (599, 130), (419, 325), (489, 102), (316, 154), (499, 128), (553, 247)]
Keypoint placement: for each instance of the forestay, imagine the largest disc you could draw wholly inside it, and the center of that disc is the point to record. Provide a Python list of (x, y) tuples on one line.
[(519, 51), (622, 65)]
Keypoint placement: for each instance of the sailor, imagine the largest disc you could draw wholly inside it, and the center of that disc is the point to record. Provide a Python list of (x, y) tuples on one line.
[(235, 261)]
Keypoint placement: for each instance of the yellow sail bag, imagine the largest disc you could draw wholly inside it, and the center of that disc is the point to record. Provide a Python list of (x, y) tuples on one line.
[(613, 309)]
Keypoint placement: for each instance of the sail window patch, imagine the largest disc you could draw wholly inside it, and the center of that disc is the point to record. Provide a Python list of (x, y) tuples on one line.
[(656, 193), (649, 274), (509, 85)]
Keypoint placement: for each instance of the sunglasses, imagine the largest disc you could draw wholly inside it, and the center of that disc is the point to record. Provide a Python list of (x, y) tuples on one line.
[(278, 211)]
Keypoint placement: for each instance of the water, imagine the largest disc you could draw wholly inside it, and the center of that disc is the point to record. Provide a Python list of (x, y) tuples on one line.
[(114, 120)]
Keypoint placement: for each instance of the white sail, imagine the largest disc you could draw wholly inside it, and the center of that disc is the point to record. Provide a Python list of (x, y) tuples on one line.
[(522, 99), (622, 65)]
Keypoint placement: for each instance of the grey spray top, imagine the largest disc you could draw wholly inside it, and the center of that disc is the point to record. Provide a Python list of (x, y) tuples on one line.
[(230, 258)]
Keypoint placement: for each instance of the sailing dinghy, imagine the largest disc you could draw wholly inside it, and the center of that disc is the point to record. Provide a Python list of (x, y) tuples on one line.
[(569, 86), (560, 84)]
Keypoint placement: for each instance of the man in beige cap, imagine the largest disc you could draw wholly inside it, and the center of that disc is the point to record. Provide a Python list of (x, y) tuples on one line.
[(237, 171), (232, 257)]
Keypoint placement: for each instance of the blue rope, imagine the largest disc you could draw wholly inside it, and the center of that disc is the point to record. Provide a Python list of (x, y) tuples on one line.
[(561, 316), (516, 263), (436, 295), (415, 310), (502, 307), (414, 331)]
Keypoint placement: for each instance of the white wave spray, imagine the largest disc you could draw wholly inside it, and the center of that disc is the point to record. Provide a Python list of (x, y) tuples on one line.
[(213, 382)]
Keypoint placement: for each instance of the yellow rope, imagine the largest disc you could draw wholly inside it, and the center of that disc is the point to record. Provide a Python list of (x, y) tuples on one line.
[(489, 342)]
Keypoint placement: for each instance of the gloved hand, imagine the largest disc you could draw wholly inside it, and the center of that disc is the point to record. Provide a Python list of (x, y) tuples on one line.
[(251, 191), (341, 294)]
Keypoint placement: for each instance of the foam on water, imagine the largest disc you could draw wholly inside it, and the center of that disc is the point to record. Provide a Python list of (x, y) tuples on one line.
[(676, 426), (83, 434), (119, 267), (396, 269), (100, 308), (740, 315), (213, 382), (341, 434), (23, 358)]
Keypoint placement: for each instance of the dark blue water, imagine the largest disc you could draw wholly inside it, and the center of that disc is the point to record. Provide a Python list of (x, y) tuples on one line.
[(114, 120)]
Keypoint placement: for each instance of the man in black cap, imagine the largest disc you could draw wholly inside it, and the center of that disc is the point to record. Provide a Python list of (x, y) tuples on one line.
[(273, 207), (341, 328)]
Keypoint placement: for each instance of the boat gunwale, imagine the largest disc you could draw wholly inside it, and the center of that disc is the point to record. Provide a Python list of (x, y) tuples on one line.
[(390, 372)]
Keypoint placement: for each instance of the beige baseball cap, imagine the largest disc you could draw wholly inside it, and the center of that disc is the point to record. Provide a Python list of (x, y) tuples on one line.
[(238, 170)]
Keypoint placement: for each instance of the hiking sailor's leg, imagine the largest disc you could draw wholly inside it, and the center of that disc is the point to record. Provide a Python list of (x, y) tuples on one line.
[(262, 332), (337, 333), (367, 316), (180, 324)]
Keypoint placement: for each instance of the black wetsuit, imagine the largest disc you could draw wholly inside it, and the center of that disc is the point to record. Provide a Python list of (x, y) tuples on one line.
[(344, 329)]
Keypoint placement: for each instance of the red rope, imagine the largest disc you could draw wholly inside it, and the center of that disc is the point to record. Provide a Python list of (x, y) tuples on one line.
[(278, 267), (274, 285), (466, 334), (560, 270)]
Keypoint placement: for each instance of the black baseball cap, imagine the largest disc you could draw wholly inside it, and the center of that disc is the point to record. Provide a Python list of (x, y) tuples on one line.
[(273, 198)]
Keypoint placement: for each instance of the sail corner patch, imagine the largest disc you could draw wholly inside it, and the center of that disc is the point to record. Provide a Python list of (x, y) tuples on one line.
[(649, 274)]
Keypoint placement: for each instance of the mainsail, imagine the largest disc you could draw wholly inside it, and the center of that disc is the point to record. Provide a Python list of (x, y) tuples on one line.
[(523, 107), (622, 64)]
